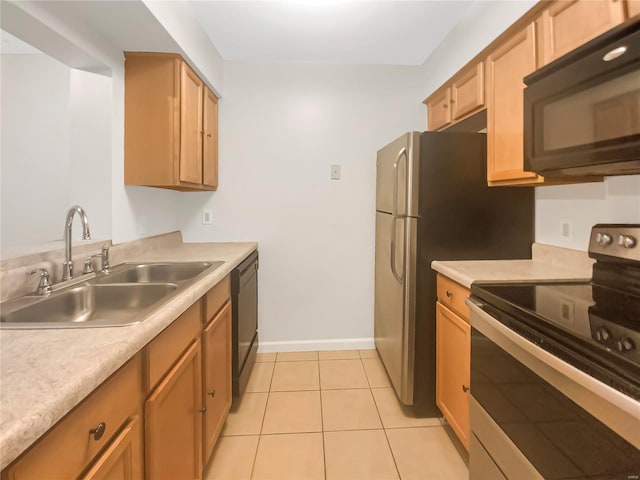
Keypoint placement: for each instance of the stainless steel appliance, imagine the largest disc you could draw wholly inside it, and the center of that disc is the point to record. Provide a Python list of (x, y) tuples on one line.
[(433, 203), (244, 325), (582, 112), (555, 370)]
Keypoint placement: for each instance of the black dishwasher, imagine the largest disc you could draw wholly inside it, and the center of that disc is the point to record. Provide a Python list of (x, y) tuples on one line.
[(244, 298)]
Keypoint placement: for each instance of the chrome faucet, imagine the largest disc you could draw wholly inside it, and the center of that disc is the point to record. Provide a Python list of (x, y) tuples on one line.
[(67, 266)]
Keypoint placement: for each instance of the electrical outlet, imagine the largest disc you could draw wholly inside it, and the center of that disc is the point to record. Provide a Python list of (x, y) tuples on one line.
[(206, 217), (335, 172), (566, 230)]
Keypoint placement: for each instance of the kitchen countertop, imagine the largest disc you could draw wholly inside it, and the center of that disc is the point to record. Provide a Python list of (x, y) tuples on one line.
[(46, 373), (547, 263)]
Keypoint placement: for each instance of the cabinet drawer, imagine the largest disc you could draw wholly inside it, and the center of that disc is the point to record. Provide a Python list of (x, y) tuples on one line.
[(67, 449), (216, 298), (453, 296), (166, 348)]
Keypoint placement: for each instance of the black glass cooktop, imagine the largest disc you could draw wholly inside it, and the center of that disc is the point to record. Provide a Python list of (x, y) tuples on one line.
[(594, 328)]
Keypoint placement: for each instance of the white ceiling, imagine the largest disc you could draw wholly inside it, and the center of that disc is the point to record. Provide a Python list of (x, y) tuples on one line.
[(13, 45), (329, 31)]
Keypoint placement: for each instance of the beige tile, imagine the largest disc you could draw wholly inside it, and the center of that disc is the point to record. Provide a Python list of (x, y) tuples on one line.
[(339, 355), (232, 459), (376, 374), (342, 374), (292, 412), (369, 353), (358, 455), (394, 414), (426, 452), (260, 378), (292, 376), (247, 419), (349, 410), (266, 357), (292, 456), (296, 356)]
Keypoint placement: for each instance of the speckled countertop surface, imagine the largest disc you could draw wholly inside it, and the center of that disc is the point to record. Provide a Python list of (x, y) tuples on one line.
[(547, 263), (45, 373)]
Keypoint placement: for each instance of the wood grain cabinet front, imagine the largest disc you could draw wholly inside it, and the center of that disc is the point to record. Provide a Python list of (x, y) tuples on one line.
[(467, 91), (439, 109), (633, 8), (216, 346), (565, 25), (173, 421), (90, 434), (453, 356), (171, 124)]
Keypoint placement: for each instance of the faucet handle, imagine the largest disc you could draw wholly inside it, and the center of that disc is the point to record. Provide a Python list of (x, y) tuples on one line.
[(88, 263), (44, 287), (105, 259)]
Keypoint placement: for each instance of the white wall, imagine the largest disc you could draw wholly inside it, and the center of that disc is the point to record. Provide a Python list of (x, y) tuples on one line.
[(615, 200), (281, 127), (34, 148)]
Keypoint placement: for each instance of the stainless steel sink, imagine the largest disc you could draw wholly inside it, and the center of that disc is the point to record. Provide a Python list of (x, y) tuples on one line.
[(89, 305), (157, 272), (123, 297)]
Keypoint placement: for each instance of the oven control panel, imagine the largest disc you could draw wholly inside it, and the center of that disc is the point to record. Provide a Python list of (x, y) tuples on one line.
[(620, 241)]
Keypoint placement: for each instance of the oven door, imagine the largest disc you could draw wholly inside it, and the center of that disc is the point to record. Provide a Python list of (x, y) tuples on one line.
[(534, 416), (582, 112)]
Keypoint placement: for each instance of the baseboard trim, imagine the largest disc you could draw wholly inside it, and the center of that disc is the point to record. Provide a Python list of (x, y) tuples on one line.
[(313, 345)]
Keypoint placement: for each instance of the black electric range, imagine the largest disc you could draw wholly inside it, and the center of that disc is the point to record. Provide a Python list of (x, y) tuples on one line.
[(595, 325)]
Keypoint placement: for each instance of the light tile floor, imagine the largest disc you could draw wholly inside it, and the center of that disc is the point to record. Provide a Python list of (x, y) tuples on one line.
[(329, 415)]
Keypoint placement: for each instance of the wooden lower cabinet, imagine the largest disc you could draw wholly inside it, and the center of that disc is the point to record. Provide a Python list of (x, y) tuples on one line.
[(216, 346), (633, 8), (173, 421), (453, 352), (123, 460)]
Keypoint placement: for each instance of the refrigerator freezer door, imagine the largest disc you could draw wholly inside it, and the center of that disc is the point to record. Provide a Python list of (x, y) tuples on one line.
[(393, 315), (397, 176)]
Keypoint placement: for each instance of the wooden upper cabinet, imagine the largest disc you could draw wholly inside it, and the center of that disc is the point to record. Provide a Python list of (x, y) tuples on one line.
[(506, 66), (167, 109), (633, 8), (191, 125), (467, 91), (439, 109), (565, 25), (210, 140)]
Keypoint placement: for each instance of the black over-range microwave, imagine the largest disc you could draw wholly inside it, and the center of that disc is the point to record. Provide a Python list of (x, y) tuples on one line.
[(582, 112)]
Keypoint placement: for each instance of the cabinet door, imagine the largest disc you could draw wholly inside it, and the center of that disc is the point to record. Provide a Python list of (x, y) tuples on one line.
[(467, 91), (439, 110), (453, 344), (210, 140), (191, 95), (506, 67), (122, 460), (633, 8), (216, 345), (173, 421), (568, 24)]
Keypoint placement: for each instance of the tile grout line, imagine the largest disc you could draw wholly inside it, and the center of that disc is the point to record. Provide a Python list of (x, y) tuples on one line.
[(324, 448), (264, 414)]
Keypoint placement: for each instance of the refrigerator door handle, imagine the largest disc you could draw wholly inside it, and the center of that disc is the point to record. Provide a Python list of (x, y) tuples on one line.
[(392, 256), (403, 151)]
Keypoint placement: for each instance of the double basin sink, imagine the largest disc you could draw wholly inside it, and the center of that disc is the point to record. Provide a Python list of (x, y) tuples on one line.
[(122, 297)]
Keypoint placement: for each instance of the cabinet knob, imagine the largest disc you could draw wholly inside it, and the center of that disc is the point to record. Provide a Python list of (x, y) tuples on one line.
[(98, 432), (449, 294), (209, 135), (465, 389), (203, 410), (212, 393), (444, 105)]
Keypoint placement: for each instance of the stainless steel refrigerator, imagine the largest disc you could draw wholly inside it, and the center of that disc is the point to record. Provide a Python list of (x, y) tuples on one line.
[(433, 203)]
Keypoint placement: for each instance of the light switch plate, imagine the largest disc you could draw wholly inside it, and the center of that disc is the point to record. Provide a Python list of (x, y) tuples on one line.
[(206, 217), (335, 172)]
